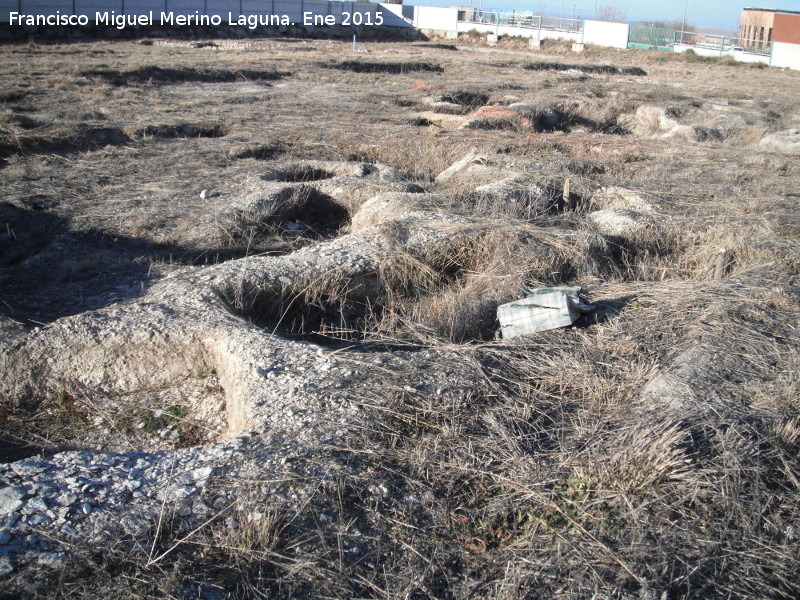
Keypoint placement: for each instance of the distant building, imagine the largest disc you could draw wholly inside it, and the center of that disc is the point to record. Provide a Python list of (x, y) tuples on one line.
[(759, 27)]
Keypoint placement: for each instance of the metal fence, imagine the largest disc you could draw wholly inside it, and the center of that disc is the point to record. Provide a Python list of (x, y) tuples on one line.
[(642, 36), (525, 19), (755, 46), (562, 24), (496, 17), (474, 15)]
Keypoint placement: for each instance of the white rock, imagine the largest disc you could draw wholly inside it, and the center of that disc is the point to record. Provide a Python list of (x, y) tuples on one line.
[(620, 198), (448, 108), (184, 492), (618, 222), (200, 508), (202, 473), (28, 467), (652, 119), (11, 500), (458, 166), (184, 479), (786, 142), (38, 519)]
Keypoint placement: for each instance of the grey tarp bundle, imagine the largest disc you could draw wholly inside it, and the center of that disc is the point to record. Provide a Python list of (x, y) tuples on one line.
[(540, 310)]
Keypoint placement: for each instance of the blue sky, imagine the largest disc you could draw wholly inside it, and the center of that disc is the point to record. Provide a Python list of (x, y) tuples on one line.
[(710, 13)]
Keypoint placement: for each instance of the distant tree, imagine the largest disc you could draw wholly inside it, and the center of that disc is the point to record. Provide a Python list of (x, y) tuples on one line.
[(676, 25), (611, 12)]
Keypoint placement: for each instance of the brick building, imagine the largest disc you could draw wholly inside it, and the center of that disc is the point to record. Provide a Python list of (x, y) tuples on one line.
[(759, 27)]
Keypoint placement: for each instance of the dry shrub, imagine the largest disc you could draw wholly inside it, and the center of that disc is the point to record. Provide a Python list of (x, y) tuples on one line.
[(328, 306), (615, 478), (422, 158), (181, 130), (524, 199), (638, 460), (469, 99), (457, 287), (690, 56), (392, 68), (254, 535), (459, 311), (158, 75), (450, 292), (747, 247), (737, 131), (14, 138), (601, 116), (594, 69)]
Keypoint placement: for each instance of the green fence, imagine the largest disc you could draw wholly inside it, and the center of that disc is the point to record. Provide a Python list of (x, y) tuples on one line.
[(495, 17), (641, 36)]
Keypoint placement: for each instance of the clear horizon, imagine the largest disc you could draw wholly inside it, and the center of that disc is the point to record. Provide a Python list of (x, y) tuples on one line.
[(700, 13)]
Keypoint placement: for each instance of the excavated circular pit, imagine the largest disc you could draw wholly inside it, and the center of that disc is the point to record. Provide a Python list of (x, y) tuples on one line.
[(190, 413), (303, 174), (374, 311), (295, 213), (323, 320), (310, 212)]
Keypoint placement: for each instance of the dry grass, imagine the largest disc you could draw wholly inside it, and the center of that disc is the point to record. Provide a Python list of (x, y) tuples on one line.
[(550, 479), (541, 467)]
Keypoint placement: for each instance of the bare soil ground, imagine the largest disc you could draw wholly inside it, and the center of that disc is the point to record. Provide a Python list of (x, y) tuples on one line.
[(650, 452)]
